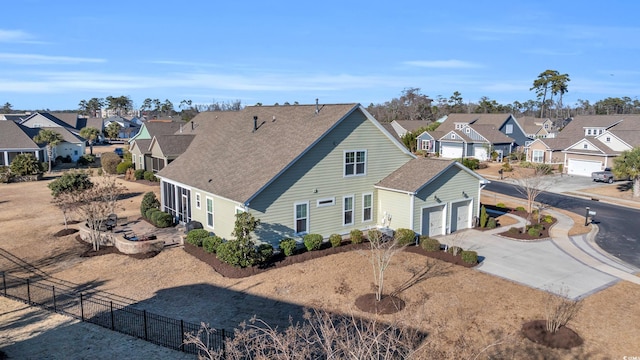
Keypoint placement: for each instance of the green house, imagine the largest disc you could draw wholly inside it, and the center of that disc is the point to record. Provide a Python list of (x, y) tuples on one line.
[(303, 169)]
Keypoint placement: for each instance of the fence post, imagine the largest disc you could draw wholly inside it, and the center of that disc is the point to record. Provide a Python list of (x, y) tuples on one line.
[(81, 308), (223, 345), (182, 335), (113, 324), (4, 283), (145, 325), (28, 292), (53, 292)]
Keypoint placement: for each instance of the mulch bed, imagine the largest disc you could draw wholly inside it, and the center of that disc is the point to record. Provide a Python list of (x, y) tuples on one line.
[(388, 304), (544, 233), (65, 232), (564, 338), (280, 260), (87, 251)]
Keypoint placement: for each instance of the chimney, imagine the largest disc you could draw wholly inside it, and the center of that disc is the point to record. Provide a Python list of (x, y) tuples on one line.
[(317, 108), (255, 123)]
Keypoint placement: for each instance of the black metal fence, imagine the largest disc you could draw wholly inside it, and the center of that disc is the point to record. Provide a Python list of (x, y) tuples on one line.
[(114, 315)]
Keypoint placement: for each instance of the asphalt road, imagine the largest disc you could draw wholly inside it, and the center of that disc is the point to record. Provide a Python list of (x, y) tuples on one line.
[(619, 233)]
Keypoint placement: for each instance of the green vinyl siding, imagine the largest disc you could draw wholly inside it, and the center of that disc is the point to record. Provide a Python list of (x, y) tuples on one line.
[(224, 213), (143, 133), (448, 187), (319, 174), (396, 204)]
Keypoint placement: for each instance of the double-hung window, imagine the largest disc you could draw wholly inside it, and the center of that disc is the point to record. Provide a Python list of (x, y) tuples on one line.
[(301, 217), (367, 212), (355, 162), (347, 210), (538, 156), (198, 201), (210, 212)]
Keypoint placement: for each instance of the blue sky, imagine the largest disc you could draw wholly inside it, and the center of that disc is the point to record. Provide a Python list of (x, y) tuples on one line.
[(55, 53)]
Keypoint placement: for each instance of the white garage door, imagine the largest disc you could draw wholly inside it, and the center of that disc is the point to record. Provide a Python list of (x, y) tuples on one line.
[(583, 167), (433, 221), (451, 152), (460, 215)]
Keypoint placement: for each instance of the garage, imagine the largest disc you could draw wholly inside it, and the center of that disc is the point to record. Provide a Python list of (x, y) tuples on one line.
[(583, 167), (453, 151), (460, 215), (480, 153), (433, 221)]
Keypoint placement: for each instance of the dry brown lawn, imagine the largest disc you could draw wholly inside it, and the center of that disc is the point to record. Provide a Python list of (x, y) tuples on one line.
[(462, 310)]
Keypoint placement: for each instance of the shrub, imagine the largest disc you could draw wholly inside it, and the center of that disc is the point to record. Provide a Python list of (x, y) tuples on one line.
[(129, 174), (163, 219), (288, 246), (483, 217), (155, 216), (149, 201), (312, 241), (405, 237), (110, 162), (469, 257), (149, 176), (335, 240), (483, 165), (238, 253), (100, 172), (544, 169), (122, 167), (492, 223), (514, 230), (374, 234), (356, 236), (264, 252), (86, 159), (197, 236), (70, 181), (506, 167), (472, 164), (210, 243), (560, 168), (533, 231), (5, 174), (548, 219), (26, 164), (429, 244), (454, 250), (520, 208), (138, 174), (501, 205), (149, 213), (526, 164)]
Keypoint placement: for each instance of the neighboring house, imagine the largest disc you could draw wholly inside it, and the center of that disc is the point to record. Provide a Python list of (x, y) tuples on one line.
[(17, 139), (308, 169), (473, 135), (73, 144), (127, 128), (536, 128), (142, 149), (547, 150), (17, 118), (590, 143)]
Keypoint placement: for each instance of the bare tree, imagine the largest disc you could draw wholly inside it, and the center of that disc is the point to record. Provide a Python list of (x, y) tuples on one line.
[(532, 185), (381, 251), (559, 309), (95, 204)]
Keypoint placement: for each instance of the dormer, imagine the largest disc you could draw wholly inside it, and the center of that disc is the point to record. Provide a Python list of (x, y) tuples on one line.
[(593, 131), (460, 125)]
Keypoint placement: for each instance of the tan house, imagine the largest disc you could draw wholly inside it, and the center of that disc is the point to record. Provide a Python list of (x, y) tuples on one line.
[(537, 128)]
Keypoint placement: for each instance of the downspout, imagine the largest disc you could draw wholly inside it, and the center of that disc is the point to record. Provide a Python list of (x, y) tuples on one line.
[(412, 201)]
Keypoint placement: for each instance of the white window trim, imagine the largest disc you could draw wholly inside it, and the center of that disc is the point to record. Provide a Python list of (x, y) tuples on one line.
[(353, 205), (533, 156), (370, 207), (213, 219), (198, 201), (355, 157), (295, 217), (239, 210), (326, 202), (508, 129), (426, 145), (585, 146)]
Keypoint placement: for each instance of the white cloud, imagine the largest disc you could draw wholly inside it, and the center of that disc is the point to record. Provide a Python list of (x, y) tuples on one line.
[(35, 59), (443, 64), (14, 36)]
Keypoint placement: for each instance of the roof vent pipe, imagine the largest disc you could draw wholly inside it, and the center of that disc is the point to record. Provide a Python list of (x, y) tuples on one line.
[(317, 108), (255, 123)]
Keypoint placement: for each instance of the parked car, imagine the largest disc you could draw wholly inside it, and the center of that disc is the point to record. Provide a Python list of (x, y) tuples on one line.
[(119, 151), (605, 176)]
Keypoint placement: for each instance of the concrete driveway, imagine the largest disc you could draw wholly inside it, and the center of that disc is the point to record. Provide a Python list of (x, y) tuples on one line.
[(539, 264)]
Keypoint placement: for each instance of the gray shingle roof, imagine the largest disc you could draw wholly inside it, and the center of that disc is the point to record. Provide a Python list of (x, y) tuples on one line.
[(229, 159), (413, 125), (14, 136), (481, 119), (156, 128), (143, 145), (491, 133), (417, 173), (173, 145)]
